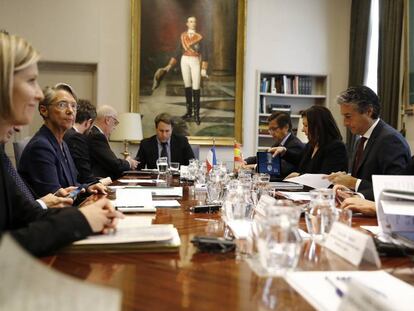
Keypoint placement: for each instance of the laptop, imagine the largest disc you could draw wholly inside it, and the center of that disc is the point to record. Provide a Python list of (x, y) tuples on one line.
[(268, 164)]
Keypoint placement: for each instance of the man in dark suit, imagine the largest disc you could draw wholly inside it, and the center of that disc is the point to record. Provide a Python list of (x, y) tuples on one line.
[(381, 150), (76, 138), (104, 162), (280, 127), (164, 144)]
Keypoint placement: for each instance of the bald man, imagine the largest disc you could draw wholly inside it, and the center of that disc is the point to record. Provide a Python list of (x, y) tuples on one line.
[(104, 162)]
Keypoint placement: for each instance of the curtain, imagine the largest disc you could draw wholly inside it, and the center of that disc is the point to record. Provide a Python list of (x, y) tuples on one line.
[(360, 12), (391, 13)]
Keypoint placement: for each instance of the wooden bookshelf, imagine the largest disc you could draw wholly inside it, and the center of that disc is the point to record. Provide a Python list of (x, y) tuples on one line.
[(288, 92)]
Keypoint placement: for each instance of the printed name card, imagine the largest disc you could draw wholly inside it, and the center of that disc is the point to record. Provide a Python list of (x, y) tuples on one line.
[(352, 245)]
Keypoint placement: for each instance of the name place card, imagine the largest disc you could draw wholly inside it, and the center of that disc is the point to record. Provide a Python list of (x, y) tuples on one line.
[(352, 245)]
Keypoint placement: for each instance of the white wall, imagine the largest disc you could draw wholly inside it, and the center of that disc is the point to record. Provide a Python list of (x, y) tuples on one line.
[(295, 36), (292, 36)]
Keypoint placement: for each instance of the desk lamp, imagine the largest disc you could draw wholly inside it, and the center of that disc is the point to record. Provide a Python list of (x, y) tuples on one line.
[(129, 129)]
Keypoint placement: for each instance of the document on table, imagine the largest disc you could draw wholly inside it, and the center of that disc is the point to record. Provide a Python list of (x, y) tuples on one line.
[(393, 202), (295, 196), (322, 289), (134, 200), (167, 191), (138, 181), (311, 180), (28, 284), (166, 203), (131, 234)]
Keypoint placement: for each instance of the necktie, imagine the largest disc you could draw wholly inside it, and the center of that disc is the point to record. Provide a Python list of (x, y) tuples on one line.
[(16, 177), (358, 155), (164, 152)]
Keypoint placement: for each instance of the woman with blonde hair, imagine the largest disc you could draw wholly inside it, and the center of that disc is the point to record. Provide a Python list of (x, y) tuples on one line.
[(39, 231)]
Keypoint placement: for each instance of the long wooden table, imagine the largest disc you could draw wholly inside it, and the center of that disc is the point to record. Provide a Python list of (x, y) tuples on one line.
[(188, 280)]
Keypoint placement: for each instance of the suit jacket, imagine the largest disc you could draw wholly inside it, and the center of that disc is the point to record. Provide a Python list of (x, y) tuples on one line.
[(39, 231), (386, 153), (79, 149), (104, 162), (295, 146), (329, 158), (45, 166), (179, 147)]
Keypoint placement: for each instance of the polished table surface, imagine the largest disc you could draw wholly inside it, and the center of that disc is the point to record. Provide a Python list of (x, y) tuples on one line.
[(188, 280)]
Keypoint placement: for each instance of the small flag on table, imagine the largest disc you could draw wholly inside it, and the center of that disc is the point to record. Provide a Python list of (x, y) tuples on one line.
[(211, 158), (238, 157)]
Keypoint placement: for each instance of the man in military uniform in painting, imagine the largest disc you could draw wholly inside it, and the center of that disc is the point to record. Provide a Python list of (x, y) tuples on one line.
[(193, 67)]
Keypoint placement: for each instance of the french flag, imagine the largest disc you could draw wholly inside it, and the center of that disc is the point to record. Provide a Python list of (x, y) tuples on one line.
[(211, 158)]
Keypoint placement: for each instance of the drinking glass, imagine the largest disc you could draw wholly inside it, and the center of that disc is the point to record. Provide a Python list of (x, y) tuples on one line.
[(174, 168), (214, 192), (344, 216), (321, 213), (162, 165), (278, 241)]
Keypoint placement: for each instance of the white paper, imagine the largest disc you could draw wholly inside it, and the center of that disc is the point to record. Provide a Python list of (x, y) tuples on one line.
[(241, 229), (284, 185), (133, 197), (398, 207), (166, 203), (392, 222), (130, 234), (311, 180), (296, 196), (351, 244), (373, 229), (28, 284), (314, 287), (141, 181), (167, 191)]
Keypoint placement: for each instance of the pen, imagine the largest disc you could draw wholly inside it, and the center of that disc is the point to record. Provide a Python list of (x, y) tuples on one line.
[(338, 291)]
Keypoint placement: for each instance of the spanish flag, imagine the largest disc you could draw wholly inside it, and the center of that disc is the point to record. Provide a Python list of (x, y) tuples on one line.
[(238, 157)]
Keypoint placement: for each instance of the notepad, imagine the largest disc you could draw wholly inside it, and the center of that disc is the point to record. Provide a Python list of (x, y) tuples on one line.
[(134, 200)]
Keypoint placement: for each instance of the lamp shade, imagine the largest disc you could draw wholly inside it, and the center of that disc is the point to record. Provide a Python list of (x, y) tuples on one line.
[(129, 127)]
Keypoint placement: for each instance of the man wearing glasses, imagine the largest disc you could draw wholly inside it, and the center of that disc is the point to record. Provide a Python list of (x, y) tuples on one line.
[(280, 127), (104, 162)]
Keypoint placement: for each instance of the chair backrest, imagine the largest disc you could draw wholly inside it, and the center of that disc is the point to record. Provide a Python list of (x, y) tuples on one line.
[(196, 151), (18, 147)]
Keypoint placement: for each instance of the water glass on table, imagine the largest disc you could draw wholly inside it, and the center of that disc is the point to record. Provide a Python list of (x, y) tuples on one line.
[(277, 239), (321, 213), (175, 168)]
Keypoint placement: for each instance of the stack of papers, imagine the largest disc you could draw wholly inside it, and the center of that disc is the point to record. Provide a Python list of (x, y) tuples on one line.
[(295, 196), (284, 185), (311, 180), (133, 233), (323, 289), (134, 200)]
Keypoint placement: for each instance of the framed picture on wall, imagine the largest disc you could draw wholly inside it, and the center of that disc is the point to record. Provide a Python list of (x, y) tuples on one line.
[(187, 59)]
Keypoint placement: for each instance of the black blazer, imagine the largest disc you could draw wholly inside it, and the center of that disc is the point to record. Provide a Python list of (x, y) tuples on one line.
[(79, 149), (386, 153), (329, 158), (295, 147), (39, 231), (43, 165), (148, 151), (104, 162)]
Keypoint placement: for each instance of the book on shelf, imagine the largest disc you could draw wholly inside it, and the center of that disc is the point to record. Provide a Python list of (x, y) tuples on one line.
[(273, 85), (280, 108)]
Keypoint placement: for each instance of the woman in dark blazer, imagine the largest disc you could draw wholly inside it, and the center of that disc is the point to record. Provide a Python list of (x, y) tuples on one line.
[(325, 152), (39, 231), (46, 163)]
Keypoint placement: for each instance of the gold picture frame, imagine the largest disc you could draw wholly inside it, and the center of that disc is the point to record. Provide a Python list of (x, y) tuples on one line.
[(138, 101)]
